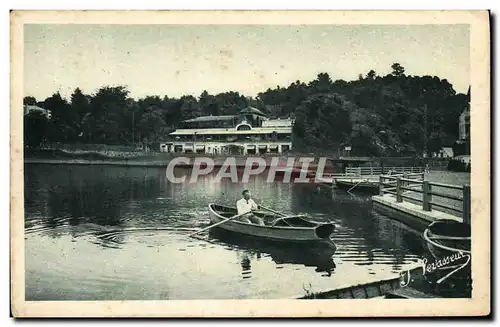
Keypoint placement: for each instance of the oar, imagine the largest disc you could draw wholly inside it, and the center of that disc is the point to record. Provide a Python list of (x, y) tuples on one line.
[(217, 224), (273, 211), (282, 214)]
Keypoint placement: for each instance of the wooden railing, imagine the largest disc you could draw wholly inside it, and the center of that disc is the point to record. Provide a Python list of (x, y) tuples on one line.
[(375, 171), (414, 182)]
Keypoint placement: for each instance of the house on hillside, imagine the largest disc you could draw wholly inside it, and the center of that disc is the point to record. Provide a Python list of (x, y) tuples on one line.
[(32, 108), (464, 121), (445, 152), (464, 125), (464, 129)]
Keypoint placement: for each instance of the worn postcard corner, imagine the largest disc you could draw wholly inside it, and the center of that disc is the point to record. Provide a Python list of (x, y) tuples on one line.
[(256, 164)]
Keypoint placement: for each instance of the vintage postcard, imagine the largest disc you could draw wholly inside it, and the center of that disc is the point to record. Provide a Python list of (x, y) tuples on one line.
[(250, 163)]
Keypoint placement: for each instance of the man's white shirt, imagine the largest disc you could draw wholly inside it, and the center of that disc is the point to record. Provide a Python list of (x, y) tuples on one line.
[(245, 206)]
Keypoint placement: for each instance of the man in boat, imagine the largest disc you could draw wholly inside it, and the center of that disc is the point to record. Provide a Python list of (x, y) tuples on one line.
[(246, 205)]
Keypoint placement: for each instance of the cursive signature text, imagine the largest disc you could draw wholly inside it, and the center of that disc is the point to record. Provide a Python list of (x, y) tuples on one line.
[(438, 264)]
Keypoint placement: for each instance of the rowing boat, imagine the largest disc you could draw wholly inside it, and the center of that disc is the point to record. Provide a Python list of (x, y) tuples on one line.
[(358, 185), (288, 228), (446, 237), (449, 243)]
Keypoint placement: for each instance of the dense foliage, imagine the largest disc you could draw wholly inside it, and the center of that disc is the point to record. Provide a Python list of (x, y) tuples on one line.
[(396, 114)]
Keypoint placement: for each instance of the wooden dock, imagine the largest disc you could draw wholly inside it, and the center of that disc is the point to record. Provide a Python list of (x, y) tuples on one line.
[(399, 198), (405, 196), (364, 177)]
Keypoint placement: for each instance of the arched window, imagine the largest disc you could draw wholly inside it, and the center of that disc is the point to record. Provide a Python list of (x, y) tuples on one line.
[(243, 127)]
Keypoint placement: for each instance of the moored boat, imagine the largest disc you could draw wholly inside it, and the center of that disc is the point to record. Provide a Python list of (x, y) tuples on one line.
[(358, 185), (446, 237), (449, 243), (288, 228)]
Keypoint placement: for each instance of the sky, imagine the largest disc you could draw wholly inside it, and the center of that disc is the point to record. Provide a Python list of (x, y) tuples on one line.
[(176, 60)]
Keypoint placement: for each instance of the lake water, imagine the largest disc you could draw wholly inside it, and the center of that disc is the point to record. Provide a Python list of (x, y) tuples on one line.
[(115, 233)]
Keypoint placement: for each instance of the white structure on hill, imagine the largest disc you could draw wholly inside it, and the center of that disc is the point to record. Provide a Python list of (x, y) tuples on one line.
[(32, 108), (248, 132)]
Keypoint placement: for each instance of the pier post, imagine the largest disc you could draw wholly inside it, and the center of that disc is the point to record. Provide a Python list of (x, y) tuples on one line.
[(399, 198), (381, 185), (426, 189), (466, 204)]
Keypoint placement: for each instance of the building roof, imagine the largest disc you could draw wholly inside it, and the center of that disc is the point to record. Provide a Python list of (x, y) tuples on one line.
[(252, 111), (209, 118), (222, 131)]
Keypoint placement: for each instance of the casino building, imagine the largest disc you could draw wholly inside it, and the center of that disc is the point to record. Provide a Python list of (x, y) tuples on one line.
[(249, 132)]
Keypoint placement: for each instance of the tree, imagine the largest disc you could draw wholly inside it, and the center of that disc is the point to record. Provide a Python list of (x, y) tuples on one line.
[(151, 126), (230, 103), (109, 98), (397, 70), (29, 100), (80, 104), (363, 140), (63, 124), (88, 125), (435, 142), (414, 112), (35, 128), (371, 75), (172, 111), (322, 121), (208, 104), (322, 83), (190, 107), (108, 107)]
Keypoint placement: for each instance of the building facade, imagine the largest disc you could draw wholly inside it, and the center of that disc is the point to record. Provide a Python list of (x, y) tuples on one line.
[(464, 125), (249, 132), (462, 145)]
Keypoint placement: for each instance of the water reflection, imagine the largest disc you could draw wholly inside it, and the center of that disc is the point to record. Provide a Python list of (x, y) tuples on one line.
[(319, 256), (245, 265)]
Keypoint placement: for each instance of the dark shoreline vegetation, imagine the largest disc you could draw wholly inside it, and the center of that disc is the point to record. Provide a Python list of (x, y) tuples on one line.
[(392, 115), (57, 154), (112, 156)]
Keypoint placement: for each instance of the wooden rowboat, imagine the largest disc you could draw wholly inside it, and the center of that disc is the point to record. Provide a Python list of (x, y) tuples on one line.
[(357, 185), (291, 228), (446, 237), (450, 239)]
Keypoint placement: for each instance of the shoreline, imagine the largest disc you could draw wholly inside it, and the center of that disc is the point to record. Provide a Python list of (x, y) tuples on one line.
[(143, 159), (123, 162), (147, 162), (160, 159)]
